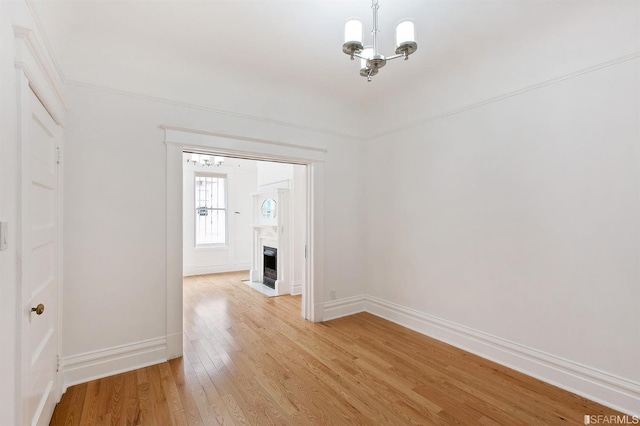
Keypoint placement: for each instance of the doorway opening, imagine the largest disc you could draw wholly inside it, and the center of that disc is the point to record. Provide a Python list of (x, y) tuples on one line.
[(178, 140), (238, 213)]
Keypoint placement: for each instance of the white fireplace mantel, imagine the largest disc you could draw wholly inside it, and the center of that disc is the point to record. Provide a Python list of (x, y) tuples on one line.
[(272, 232)]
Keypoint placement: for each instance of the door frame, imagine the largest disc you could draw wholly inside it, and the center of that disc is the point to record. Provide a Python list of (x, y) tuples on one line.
[(35, 72), (178, 139)]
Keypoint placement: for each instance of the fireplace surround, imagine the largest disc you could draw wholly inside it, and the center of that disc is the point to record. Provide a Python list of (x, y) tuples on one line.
[(271, 260)]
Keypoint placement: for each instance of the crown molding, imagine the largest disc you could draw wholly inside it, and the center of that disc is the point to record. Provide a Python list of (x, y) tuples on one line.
[(32, 59), (102, 88), (45, 39), (536, 86), (364, 137)]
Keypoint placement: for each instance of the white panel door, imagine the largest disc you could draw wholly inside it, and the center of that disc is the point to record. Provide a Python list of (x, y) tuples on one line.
[(39, 238)]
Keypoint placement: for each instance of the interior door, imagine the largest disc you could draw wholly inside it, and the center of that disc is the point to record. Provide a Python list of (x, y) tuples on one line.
[(39, 240)]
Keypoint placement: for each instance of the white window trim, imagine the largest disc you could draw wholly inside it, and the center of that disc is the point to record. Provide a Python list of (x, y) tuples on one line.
[(225, 244)]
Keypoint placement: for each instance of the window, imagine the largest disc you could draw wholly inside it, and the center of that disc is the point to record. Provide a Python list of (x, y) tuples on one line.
[(210, 209)]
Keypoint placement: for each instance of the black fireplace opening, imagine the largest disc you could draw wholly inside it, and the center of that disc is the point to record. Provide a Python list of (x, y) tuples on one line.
[(270, 273)]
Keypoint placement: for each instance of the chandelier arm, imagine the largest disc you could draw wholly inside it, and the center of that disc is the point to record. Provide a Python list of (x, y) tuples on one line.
[(358, 55), (401, 55)]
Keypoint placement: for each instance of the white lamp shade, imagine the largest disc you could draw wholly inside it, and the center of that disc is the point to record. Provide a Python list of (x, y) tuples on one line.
[(405, 33), (367, 53), (353, 31)]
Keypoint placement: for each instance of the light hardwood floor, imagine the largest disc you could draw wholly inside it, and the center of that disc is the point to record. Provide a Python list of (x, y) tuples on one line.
[(253, 360)]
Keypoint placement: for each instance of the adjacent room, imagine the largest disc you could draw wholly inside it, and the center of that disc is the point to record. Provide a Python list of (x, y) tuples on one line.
[(442, 199), (240, 214)]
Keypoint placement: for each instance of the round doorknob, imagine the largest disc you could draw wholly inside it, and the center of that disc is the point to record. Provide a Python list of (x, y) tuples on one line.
[(38, 309)]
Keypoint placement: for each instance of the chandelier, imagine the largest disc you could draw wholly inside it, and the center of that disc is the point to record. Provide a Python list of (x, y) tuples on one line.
[(204, 160), (370, 58)]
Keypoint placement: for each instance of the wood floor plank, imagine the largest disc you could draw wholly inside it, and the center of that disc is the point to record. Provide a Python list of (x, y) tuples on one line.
[(132, 413), (90, 406), (184, 377), (68, 412), (252, 360), (117, 406), (103, 415), (145, 403), (160, 405), (213, 404)]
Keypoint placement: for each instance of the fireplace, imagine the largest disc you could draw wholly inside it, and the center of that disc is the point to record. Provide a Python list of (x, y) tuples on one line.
[(270, 273), (271, 263)]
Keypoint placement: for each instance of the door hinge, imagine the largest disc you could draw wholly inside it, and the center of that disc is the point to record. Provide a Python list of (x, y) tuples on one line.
[(59, 158), (57, 363), (305, 252)]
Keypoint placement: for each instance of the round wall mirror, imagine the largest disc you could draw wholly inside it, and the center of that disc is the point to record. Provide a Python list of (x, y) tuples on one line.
[(269, 208)]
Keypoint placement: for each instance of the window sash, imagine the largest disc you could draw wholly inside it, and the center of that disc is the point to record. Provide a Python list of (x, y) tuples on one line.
[(211, 224)]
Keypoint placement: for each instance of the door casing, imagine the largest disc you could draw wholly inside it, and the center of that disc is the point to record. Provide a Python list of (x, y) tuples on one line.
[(178, 140), (35, 73)]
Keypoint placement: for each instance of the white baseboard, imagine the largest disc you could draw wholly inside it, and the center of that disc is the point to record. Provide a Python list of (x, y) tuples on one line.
[(607, 389), (174, 345), (190, 270), (343, 307), (296, 288), (108, 362)]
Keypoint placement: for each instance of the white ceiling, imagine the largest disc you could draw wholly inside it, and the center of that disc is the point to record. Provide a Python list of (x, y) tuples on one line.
[(294, 41)]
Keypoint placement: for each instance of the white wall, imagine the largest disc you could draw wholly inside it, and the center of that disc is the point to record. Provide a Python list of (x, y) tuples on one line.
[(506, 220), (272, 175), (115, 215), (236, 254), (520, 219), (9, 178)]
